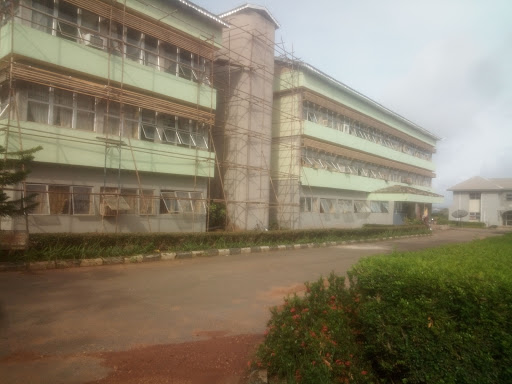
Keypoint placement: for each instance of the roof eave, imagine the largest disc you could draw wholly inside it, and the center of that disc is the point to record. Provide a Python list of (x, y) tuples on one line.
[(204, 12), (251, 6)]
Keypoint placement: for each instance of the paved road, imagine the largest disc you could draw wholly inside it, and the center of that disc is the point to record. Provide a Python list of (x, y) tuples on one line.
[(64, 315)]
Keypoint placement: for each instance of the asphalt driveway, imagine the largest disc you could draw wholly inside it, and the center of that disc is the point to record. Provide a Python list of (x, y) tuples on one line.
[(55, 323)]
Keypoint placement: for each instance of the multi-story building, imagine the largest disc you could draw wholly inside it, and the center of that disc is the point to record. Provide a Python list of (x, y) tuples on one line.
[(341, 159), (485, 200), (120, 97)]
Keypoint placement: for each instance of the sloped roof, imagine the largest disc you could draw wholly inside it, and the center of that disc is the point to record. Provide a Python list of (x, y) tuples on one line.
[(405, 189), (258, 8), (478, 183)]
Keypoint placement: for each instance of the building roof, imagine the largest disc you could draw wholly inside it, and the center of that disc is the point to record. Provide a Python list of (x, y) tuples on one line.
[(405, 189), (258, 8), (478, 183), (355, 93), (202, 12)]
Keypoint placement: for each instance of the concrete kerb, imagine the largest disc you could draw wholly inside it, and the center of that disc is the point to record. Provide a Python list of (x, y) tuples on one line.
[(166, 256)]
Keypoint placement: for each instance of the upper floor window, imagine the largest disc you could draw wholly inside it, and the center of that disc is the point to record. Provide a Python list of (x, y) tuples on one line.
[(328, 118), (61, 199), (67, 21), (59, 107), (474, 196), (4, 101)]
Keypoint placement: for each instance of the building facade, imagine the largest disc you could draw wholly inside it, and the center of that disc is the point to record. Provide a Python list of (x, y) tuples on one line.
[(340, 159), (483, 200), (120, 96), (149, 111)]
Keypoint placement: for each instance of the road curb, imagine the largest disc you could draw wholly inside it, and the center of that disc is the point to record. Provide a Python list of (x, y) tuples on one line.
[(165, 256)]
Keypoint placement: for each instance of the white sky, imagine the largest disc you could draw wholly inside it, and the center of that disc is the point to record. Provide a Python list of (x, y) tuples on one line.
[(444, 64)]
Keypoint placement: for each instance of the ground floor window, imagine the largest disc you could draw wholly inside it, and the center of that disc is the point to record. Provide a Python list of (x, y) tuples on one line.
[(345, 206), (474, 216), (126, 201), (507, 218), (327, 205), (362, 206), (177, 202), (379, 206), (61, 199)]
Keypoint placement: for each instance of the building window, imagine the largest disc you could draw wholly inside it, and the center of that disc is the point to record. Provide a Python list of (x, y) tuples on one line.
[(319, 115), (400, 207), (85, 112), (39, 193), (508, 196), (345, 206), (474, 196), (61, 199), (362, 206), (4, 101), (131, 196), (148, 130), (146, 202), (42, 12), (375, 207), (68, 21), (60, 107), (327, 205), (475, 216), (38, 103), (306, 204), (127, 201), (176, 202)]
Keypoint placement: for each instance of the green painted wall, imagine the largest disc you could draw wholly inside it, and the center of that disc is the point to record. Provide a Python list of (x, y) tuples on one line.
[(326, 179), (288, 79), (341, 138), (404, 197), (321, 86), (73, 147), (49, 49), (190, 22), (5, 39)]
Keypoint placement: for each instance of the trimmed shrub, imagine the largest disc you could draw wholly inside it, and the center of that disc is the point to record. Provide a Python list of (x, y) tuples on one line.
[(49, 246), (466, 224), (435, 316), (438, 316), (310, 339)]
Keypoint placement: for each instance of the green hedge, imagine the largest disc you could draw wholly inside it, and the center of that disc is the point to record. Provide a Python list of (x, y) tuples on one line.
[(438, 316), (78, 245), (467, 224)]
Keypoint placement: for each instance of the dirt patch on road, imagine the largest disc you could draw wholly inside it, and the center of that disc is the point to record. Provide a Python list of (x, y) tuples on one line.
[(219, 360)]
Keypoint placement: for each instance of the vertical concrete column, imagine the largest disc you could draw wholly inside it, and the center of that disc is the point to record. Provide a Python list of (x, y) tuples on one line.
[(244, 79)]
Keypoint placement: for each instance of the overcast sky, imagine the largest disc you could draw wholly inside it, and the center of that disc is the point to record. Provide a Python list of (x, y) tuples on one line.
[(444, 64)]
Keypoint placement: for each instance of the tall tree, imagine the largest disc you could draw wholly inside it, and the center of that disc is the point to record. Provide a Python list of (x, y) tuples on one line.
[(14, 168)]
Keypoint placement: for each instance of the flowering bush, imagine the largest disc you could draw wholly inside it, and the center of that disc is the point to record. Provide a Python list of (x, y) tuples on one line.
[(310, 339)]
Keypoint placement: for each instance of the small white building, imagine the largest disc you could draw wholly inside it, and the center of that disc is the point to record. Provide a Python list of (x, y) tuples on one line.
[(485, 200)]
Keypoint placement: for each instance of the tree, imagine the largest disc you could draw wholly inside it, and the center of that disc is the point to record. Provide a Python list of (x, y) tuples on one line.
[(14, 168)]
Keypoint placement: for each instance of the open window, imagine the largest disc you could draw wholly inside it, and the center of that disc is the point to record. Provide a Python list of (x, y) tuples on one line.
[(147, 202), (112, 203), (361, 206), (345, 206), (327, 205)]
